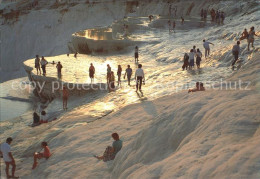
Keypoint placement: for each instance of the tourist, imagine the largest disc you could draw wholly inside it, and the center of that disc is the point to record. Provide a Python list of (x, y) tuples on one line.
[(185, 61), (205, 14), (68, 54), (251, 37), (207, 48), (213, 14), (59, 67), (169, 24), (119, 72), (139, 77), (194, 48), (65, 96), (128, 72), (150, 17), (112, 81), (44, 118), (111, 151), (198, 58), (202, 13), (182, 20), (170, 10), (235, 52), (91, 72), (199, 87), (136, 54), (36, 119), (37, 64), (43, 64), (222, 16), (38, 155), (108, 73), (8, 157), (244, 35), (191, 58), (173, 25)]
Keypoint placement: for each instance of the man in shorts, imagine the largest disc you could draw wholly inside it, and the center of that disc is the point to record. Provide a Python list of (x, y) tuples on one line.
[(8, 157)]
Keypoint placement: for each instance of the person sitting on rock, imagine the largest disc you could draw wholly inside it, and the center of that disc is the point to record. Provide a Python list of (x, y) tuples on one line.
[(38, 155), (111, 152), (199, 87)]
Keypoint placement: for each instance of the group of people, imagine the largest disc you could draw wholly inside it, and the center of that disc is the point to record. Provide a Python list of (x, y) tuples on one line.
[(195, 54), (6, 153), (9, 160), (249, 36), (216, 15), (42, 63), (139, 76)]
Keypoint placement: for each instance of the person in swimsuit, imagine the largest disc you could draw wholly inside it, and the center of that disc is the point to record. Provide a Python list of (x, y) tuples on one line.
[(37, 64), (91, 72), (199, 87), (119, 72), (251, 37), (65, 97), (136, 54), (244, 35), (38, 155), (108, 73)]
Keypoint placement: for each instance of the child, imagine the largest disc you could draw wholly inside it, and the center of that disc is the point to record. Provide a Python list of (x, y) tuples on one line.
[(46, 154)]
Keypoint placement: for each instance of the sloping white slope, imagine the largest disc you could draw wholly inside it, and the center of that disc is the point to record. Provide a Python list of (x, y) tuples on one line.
[(211, 134)]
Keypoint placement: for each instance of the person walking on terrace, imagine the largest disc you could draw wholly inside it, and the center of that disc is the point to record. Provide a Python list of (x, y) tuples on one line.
[(207, 48), (235, 52), (139, 77), (119, 73), (128, 72)]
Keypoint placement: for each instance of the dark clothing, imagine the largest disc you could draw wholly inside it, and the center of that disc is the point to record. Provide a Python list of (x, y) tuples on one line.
[(36, 119), (139, 82), (198, 60), (59, 67), (235, 53), (186, 62), (44, 69), (136, 55)]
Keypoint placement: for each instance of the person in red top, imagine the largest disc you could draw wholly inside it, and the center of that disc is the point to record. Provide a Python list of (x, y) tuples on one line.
[(46, 154), (65, 97)]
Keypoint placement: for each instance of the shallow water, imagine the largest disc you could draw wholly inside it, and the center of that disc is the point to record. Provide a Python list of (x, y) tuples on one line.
[(14, 99)]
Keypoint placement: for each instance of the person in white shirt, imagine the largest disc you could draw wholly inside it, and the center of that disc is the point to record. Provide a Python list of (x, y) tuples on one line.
[(139, 77), (43, 64), (207, 48), (8, 157)]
